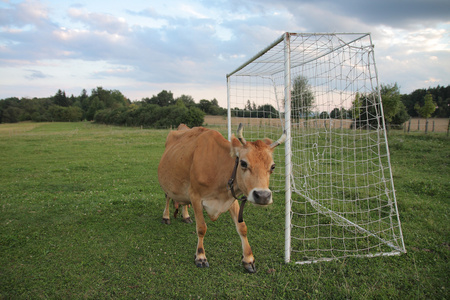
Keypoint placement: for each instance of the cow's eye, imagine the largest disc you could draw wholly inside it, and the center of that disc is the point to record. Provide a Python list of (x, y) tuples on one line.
[(244, 164), (272, 168)]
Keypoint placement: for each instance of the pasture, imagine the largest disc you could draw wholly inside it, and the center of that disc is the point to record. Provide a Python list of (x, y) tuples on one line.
[(81, 213)]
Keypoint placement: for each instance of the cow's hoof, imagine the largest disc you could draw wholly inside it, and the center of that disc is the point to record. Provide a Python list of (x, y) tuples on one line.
[(165, 221), (201, 263), (250, 267), (188, 220)]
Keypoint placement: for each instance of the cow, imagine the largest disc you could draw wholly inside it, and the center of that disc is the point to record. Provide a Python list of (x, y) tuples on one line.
[(197, 168)]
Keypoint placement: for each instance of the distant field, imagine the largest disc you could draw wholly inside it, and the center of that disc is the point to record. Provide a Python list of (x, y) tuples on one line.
[(417, 124), (80, 218)]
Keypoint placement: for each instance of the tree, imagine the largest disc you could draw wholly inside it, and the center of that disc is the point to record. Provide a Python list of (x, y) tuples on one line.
[(187, 100), (324, 115), (302, 99), (340, 113), (391, 99), (248, 106), (205, 105), (335, 113), (83, 95), (164, 98), (195, 117), (61, 99), (211, 107), (215, 109), (118, 99), (356, 106), (366, 111), (56, 113), (73, 114), (394, 110), (441, 96), (85, 101), (401, 117), (267, 111), (94, 106), (11, 114), (428, 108)]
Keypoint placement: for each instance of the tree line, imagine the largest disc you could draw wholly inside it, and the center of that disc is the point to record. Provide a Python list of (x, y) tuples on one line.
[(398, 108), (163, 110), (365, 109), (110, 107)]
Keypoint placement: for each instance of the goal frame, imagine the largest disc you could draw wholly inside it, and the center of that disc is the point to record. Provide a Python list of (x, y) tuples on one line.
[(285, 39)]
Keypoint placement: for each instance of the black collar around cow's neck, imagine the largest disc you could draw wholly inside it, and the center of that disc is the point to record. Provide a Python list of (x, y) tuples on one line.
[(230, 186)]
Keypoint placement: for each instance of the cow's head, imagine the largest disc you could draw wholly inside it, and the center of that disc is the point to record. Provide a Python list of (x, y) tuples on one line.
[(255, 166)]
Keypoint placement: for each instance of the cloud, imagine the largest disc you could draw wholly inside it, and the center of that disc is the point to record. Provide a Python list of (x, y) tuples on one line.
[(392, 13), (23, 14), (36, 74), (148, 12), (99, 22), (396, 13), (172, 43), (116, 71)]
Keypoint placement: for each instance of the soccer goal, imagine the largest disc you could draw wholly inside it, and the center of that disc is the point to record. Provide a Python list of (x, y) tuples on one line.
[(335, 168)]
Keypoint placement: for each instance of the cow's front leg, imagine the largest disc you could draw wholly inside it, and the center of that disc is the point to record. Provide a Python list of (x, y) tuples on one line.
[(166, 213), (200, 256), (247, 260)]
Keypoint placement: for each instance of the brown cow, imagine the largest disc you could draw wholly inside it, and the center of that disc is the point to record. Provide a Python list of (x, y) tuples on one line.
[(195, 168)]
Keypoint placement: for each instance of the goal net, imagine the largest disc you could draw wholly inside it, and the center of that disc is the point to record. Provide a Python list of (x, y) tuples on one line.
[(322, 89)]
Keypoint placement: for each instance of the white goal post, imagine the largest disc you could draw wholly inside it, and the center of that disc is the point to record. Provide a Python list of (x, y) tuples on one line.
[(322, 88)]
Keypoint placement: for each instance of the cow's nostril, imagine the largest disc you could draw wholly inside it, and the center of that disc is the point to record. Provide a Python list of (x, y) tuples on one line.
[(262, 197)]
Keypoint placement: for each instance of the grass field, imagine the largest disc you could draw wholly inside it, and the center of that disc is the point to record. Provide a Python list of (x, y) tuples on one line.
[(80, 218)]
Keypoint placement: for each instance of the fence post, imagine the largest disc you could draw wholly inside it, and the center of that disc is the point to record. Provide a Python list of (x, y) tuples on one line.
[(418, 125), (448, 126), (433, 125), (426, 126), (409, 125)]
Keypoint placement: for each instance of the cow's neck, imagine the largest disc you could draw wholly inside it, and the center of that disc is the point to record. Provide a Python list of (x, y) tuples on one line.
[(232, 183), (231, 186)]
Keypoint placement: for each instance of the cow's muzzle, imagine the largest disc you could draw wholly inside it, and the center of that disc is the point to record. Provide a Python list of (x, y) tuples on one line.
[(260, 196)]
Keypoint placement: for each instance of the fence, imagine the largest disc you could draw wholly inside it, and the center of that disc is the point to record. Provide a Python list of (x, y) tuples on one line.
[(413, 125), (427, 125)]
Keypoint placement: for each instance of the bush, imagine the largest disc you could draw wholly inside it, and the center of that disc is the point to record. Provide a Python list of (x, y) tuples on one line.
[(151, 115)]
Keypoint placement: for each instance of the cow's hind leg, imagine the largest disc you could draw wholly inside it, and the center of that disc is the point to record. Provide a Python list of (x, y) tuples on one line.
[(185, 213), (200, 256), (166, 214), (247, 255), (176, 205)]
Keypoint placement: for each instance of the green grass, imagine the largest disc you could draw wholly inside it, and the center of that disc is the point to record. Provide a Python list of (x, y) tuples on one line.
[(80, 218)]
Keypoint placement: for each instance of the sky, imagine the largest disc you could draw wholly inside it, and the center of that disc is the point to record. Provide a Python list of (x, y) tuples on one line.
[(143, 47)]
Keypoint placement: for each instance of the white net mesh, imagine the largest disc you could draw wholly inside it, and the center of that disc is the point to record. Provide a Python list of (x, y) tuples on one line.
[(343, 200)]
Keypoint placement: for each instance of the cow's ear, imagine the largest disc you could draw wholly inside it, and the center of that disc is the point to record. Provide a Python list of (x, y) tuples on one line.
[(235, 146), (268, 141)]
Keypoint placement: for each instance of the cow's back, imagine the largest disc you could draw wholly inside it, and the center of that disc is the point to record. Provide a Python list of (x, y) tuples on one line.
[(175, 165)]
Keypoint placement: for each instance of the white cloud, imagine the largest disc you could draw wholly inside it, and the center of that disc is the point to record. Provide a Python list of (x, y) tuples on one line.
[(99, 22), (36, 74), (188, 48)]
